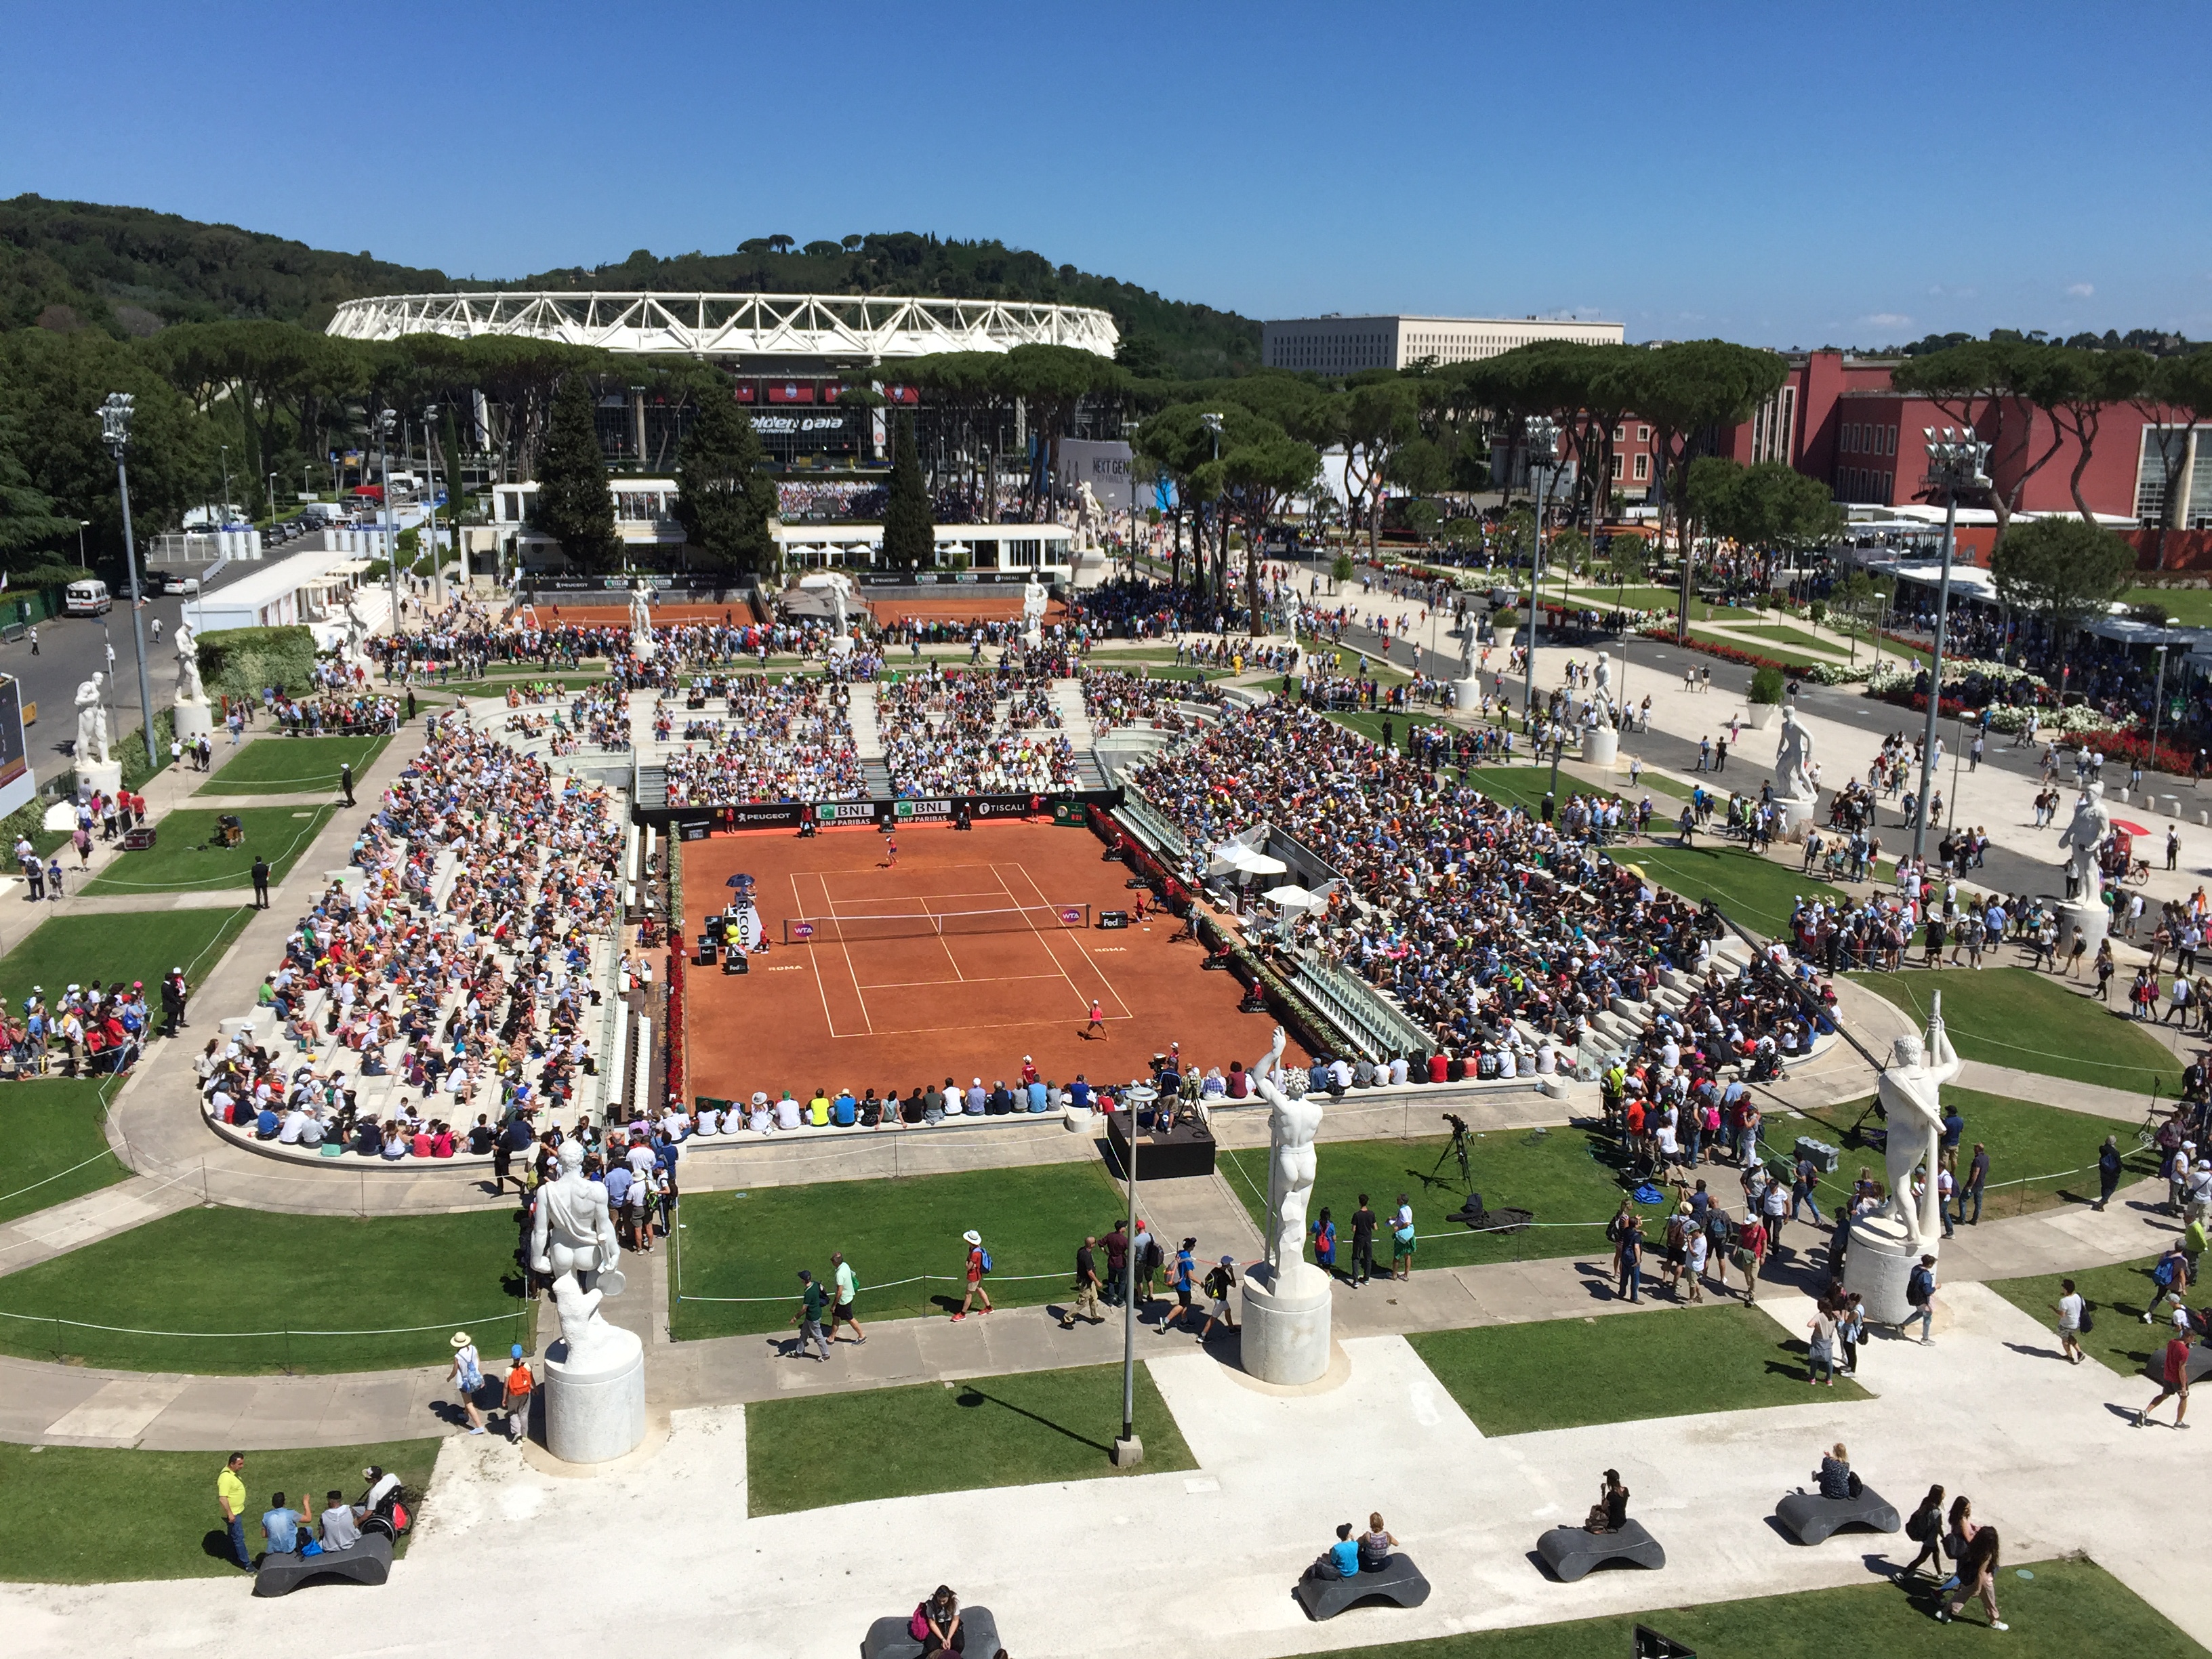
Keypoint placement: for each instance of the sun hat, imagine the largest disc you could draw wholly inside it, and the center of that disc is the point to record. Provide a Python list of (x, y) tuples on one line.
[(515, 1352), (460, 1339), (973, 1237)]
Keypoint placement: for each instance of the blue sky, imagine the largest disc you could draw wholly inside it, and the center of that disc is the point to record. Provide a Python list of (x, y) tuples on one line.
[(1783, 175)]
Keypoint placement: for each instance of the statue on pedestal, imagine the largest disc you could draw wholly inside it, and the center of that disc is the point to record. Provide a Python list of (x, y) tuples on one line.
[(1034, 600), (572, 1235), (357, 628), (2083, 840), (1793, 759), (1293, 1120), (641, 643), (1910, 1091), (92, 724), (189, 686), (1601, 691)]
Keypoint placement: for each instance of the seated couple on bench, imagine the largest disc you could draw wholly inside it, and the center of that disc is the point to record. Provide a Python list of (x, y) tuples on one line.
[(1348, 1557)]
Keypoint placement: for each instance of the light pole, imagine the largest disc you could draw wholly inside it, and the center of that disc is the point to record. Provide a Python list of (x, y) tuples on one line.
[(1128, 1448), (386, 420), (1543, 445), (115, 430), (2157, 703), (223, 512), (430, 494), (272, 500), (1954, 463)]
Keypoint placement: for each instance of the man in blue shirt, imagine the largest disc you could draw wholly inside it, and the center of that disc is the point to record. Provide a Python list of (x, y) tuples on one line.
[(1078, 1092), (281, 1526), (1341, 1559)]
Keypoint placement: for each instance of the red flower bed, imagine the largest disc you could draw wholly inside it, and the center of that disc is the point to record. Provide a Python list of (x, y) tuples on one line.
[(1725, 652)]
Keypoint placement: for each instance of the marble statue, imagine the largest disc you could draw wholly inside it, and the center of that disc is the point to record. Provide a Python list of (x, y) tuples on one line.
[(2083, 838), (1602, 691), (1793, 759), (1469, 644), (641, 643), (189, 686), (356, 626), (1910, 1091), (1089, 515), (1293, 1121), (572, 1235), (1034, 600), (92, 724)]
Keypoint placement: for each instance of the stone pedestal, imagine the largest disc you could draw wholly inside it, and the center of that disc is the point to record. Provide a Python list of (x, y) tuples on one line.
[(1466, 694), (1797, 812), (193, 719), (1601, 745), (1877, 1264), (1285, 1338), (1759, 716), (99, 777), (595, 1412), (2093, 920)]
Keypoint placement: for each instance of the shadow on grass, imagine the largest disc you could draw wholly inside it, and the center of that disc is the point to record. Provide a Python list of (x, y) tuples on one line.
[(972, 1397)]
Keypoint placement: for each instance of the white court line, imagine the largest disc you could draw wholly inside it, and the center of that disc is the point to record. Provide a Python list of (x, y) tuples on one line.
[(1051, 955), (851, 972), (931, 984), (1111, 990), (820, 990)]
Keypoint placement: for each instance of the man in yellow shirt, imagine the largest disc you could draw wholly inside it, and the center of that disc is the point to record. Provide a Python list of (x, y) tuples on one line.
[(817, 1109), (230, 1498)]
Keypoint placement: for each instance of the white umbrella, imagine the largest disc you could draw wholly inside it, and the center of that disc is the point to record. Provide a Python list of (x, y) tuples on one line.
[(1291, 897)]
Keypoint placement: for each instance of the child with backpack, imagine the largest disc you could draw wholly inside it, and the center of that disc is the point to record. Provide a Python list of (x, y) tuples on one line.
[(979, 1263), (1219, 1282)]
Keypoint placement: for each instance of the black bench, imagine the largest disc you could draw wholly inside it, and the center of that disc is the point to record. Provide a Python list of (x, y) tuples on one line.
[(887, 1637), (1397, 1580), (1571, 1552), (1809, 1519), (368, 1562)]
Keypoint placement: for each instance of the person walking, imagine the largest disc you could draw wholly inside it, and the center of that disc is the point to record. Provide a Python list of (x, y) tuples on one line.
[(2070, 1309), (1362, 1244), (1220, 1282), (811, 1302), (1324, 1244), (1403, 1239), (466, 1375), (515, 1393), (1086, 1286), (345, 781), (1920, 1297), (2177, 1378), (261, 881), (979, 1263), (847, 1287), (1925, 1528), (2108, 1171), (1750, 1253), (1977, 1177), (1977, 1577), (230, 1502), (1182, 1279)]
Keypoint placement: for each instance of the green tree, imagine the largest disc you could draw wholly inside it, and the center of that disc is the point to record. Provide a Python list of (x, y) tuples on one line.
[(2078, 387), (2062, 571), (1262, 466), (2178, 394), (1997, 387), (909, 525), (723, 497), (1372, 421), (575, 506), (29, 526)]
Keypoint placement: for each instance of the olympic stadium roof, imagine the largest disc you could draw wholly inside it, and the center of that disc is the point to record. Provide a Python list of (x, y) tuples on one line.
[(761, 329)]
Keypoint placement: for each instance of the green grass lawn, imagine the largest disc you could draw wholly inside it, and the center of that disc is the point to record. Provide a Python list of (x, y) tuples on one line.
[(1014, 1430), (81, 1514), (2189, 607), (1753, 890), (1772, 651), (223, 1270), (2057, 1610), (1602, 597), (1564, 1373), (56, 1150), (76, 949), (1785, 633), (2049, 1150), (753, 1243), (2035, 1023), (1369, 724), (182, 860), (2119, 1294), (286, 766), (1559, 1176)]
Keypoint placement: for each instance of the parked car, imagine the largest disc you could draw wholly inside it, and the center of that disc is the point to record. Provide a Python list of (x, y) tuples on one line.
[(175, 581)]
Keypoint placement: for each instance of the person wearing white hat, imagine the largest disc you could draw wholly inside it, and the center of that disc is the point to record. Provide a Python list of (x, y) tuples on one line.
[(467, 1376), (979, 1263)]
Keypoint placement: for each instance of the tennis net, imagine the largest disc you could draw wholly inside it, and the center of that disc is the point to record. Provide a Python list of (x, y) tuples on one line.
[(1014, 918)]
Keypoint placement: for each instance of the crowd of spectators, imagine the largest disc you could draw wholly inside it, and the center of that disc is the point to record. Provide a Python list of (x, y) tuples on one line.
[(1116, 697), (474, 997), (783, 739), (946, 732), (828, 500)]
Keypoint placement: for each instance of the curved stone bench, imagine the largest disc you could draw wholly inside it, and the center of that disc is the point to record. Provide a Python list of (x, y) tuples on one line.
[(368, 1562), (1571, 1552), (887, 1637), (1398, 1580), (1810, 1518)]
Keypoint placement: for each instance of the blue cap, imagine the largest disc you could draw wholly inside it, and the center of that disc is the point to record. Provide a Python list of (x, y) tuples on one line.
[(516, 1351)]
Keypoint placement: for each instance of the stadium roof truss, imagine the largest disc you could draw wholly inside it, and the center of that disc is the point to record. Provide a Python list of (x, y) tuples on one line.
[(861, 328)]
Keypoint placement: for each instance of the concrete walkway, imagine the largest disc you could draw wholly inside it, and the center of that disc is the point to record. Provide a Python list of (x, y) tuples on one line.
[(41, 1402)]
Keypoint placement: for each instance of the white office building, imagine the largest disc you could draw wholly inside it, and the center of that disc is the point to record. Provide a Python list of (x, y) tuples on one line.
[(1345, 346)]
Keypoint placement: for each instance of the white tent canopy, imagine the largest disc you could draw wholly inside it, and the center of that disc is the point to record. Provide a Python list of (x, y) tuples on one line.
[(1235, 857), (1291, 897)]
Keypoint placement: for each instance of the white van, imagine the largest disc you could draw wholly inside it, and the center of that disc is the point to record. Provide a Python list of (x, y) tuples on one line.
[(86, 598)]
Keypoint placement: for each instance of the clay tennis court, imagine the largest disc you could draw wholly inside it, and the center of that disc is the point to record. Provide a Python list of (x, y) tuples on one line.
[(956, 963), (972, 604)]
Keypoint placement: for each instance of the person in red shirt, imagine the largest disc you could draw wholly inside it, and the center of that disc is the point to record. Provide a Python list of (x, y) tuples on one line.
[(2177, 1380), (1097, 1019), (1751, 1240), (975, 1242)]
